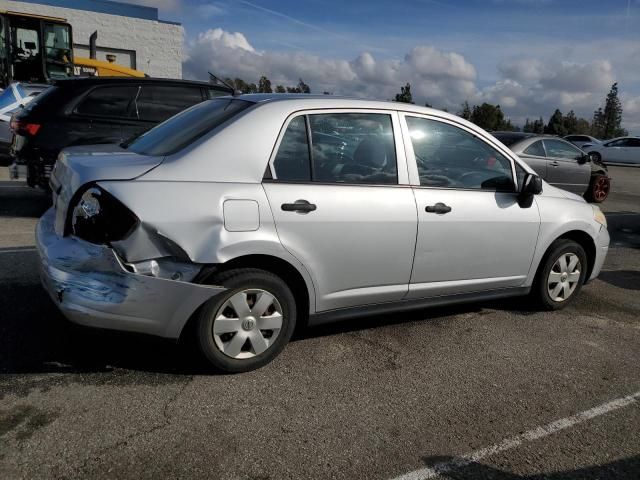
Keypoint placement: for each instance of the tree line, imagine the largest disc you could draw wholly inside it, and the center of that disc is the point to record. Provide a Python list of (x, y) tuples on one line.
[(606, 123), (264, 86)]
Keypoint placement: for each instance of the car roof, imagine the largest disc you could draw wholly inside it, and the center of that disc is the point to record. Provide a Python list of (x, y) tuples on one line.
[(91, 81), (317, 101)]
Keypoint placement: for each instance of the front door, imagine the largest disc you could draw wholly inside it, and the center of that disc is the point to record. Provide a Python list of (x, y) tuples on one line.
[(472, 233), (565, 169), (340, 207)]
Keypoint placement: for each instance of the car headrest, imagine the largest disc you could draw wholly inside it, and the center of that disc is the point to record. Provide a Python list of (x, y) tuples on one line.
[(372, 151)]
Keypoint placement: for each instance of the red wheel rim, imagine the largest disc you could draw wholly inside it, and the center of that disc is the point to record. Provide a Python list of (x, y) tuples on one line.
[(601, 188)]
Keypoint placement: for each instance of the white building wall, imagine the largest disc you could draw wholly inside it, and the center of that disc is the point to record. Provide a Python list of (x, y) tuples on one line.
[(158, 45)]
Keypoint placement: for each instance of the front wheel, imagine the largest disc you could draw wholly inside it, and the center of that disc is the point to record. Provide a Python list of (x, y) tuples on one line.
[(599, 188), (560, 276), (249, 324)]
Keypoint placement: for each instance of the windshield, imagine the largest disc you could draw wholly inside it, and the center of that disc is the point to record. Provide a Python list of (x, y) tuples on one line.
[(57, 50), (186, 127)]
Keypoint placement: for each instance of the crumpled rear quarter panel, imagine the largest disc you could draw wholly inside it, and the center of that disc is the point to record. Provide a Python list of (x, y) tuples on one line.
[(88, 283)]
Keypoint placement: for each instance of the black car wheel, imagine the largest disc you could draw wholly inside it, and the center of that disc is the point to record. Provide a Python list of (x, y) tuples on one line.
[(249, 324)]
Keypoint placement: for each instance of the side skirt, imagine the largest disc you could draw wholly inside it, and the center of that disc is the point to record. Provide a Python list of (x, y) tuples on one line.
[(340, 314)]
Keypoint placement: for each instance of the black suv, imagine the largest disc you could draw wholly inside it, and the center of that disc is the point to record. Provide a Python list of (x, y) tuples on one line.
[(85, 111)]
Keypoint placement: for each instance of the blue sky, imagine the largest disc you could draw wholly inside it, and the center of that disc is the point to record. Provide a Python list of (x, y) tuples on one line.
[(531, 54)]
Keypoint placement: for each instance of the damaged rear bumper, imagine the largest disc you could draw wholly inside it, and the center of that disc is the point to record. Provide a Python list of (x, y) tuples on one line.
[(90, 286)]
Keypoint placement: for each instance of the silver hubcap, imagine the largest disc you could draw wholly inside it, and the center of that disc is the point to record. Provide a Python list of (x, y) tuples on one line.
[(564, 277), (247, 324)]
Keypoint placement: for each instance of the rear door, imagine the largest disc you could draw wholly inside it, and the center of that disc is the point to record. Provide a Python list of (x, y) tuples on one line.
[(615, 151), (633, 151), (630, 152), (535, 156), (566, 167), (342, 206)]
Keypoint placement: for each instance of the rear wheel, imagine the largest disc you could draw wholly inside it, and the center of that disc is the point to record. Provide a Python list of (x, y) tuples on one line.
[(599, 188), (560, 276), (248, 325)]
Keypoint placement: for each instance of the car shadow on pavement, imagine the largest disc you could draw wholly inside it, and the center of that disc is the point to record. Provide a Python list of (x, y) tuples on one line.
[(627, 279), (35, 338), (623, 469)]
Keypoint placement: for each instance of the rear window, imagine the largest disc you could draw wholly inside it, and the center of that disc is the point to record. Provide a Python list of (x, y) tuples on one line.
[(49, 92), (186, 127)]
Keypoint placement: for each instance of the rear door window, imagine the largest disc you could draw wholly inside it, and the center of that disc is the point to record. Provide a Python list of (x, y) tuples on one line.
[(112, 101), (536, 149), (353, 148), (292, 162), (156, 103)]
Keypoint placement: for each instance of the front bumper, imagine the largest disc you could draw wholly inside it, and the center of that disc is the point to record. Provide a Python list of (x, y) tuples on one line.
[(602, 247), (91, 287)]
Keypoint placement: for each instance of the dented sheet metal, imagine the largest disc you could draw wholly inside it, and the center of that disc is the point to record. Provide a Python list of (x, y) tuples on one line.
[(91, 287)]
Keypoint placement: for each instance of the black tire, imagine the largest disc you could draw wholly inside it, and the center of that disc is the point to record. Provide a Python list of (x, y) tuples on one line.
[(235, 281), (599, 188), (540, 291)]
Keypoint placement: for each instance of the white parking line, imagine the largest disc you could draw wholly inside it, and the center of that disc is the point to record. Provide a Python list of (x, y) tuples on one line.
[(513, 442), (18, 250)]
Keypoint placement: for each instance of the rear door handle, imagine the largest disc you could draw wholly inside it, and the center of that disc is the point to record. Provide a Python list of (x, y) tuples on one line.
[(298, 206), (439, 208)]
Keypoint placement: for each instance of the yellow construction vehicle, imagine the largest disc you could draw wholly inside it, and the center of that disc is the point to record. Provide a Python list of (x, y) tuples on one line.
[(38, 49)]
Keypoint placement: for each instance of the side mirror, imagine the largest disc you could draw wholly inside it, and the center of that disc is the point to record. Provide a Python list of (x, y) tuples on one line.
[(582, 159), (532, 185)]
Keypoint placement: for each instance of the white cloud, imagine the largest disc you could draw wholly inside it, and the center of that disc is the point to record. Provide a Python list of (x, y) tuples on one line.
[(223, 39), (530, 87), (436, 76)]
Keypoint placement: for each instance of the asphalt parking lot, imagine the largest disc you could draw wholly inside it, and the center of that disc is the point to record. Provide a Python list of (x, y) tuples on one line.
[(488, 390)]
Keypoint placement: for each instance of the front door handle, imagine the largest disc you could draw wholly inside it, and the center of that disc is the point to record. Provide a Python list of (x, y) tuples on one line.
[(298, 206), (554, 164), (439, 208)]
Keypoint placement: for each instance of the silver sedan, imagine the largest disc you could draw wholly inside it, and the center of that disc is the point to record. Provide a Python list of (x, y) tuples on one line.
[(246, 216)]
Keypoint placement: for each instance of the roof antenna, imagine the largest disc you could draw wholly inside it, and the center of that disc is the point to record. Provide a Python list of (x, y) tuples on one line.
[(213, 79)]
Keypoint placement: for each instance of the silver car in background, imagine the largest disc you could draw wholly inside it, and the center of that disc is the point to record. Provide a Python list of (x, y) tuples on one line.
[(561, 163), (622, 150), (582, 140), (246, 216)]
